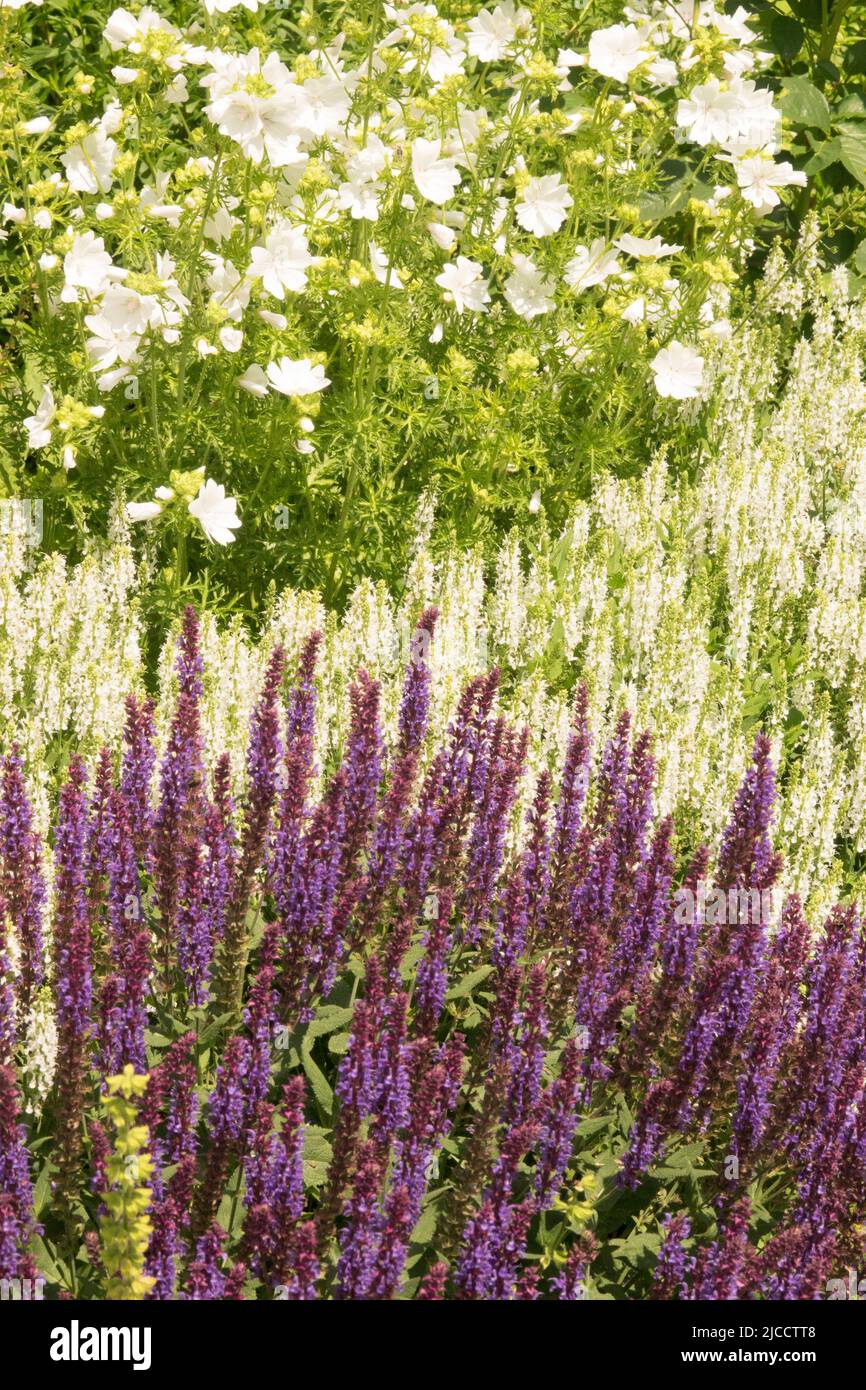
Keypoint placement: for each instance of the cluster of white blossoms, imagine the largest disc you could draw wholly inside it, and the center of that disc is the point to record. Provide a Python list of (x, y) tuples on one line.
[(456, 163)]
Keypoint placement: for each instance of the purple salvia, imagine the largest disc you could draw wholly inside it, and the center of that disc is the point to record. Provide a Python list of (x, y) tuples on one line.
[(22, 885), (673, 1264), (415, 701), (16, 1193), (181, 780), (136, 776), (558, 1125), (359, 1238), (129, 945), (263, 759), (206, 1275)]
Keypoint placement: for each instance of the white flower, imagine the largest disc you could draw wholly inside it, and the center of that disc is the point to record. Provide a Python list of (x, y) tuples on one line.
[(14, 214), (384, 272), (528, 291), (758, 177), (230, 290), (544, 205), (143, 511), (723, 114), (38, 426), (706, 113), (37, 126), (491, 32), (297, 378), (216, 514), (257, 104), (231, 338), (281, 263), (360, 199), (618, 50), (254, 380), (87, 266), (435, 178), (89, 165), (650, 248), (443, 235), (678, 371), (591, 265), (463, 280)]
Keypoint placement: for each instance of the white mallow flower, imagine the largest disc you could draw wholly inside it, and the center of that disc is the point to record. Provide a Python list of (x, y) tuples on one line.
[(282, 262), (646, 248), (544, 205), (435, 178), (758, 177), (254, 380), (719, 113), (38, 426), (678, 371), (257, 104), (443, 235), (37, 126), (125, 30), (216, 514), (707, 112), (384, 272), (230, 291), (360, 198), (618, 50), (464, 283), (491, 32), (528, 291), (89, 164), (591, 265), (297, 378), (88, 266)]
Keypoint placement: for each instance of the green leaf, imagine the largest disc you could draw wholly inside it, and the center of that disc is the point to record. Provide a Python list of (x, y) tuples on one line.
[(859, 257), (786, 36), (317, 1079), (801, 101), (468, 983), (852, 152), (826, 153), (854, 60)]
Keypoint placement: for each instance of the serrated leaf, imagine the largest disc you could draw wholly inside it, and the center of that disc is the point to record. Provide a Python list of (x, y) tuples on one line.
[(852, 153)]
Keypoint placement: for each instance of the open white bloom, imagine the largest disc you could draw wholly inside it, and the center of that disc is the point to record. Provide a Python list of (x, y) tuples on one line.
[(678, 371), (463, 281), (257, 104), (254, 380), (282, 262), (216, 514), (528, 291), (384, 272), (89, 164), (360, 199), (721, 113), (758, 177), (87, 266), (544, 205), (618, 50), (230, 290), (647, 248), (435, 178), (491, 32), (707, 112), (125, 30), (38, 426), (591, 265), (297, 378)]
